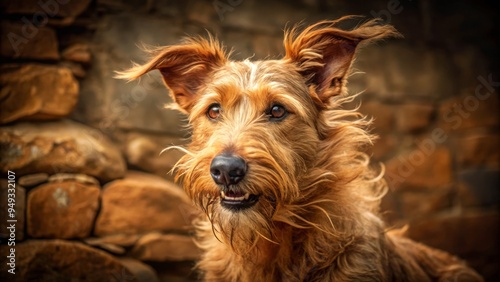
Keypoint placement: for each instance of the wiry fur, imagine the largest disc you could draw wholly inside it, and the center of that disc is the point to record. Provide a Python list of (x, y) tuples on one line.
[(317, 215)]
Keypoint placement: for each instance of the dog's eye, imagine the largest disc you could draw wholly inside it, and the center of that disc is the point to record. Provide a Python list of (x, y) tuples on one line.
[(277, 113), (214, 111)]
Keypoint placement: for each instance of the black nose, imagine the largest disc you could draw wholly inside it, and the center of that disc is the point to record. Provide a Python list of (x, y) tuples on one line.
[(228, 170)]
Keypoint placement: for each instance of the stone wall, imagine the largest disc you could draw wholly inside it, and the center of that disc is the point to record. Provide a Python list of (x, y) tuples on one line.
[(94, 199)]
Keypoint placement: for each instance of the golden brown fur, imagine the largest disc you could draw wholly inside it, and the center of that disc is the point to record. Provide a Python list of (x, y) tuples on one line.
[(317, 214)]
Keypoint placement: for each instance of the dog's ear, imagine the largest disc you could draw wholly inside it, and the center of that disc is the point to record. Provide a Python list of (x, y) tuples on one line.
[(184, 68), (323, 53)]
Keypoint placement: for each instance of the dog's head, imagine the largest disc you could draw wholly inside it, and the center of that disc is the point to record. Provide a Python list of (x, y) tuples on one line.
[(265, 134)]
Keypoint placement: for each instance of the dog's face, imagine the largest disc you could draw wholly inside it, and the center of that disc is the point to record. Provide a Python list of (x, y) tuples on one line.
[(257, 127), (253, 136)]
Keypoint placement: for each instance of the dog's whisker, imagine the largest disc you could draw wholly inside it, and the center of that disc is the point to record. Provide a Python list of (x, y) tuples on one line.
[(175, 147)]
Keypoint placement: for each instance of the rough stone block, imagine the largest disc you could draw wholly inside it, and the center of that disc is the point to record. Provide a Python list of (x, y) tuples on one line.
[(36, 92), (27, 41), (62, 210), (142, 203), (59, 260), (423, 167), (61, 146)]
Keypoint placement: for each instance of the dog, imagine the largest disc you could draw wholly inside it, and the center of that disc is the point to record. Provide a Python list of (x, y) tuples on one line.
[(278, 165)]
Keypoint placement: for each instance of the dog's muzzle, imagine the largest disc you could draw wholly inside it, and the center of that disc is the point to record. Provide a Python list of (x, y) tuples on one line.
[(227, 171)]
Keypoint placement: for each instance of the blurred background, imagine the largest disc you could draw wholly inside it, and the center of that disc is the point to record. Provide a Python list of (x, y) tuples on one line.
[(94, 200)]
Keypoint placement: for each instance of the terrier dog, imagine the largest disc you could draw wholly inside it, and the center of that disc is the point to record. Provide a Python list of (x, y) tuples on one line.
[(277, 165)]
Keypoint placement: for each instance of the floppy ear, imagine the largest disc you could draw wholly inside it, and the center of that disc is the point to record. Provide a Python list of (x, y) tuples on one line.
[(323, 53), (184, 68)]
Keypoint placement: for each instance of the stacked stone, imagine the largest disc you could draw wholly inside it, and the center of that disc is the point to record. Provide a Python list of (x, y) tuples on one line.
[(78, 209)]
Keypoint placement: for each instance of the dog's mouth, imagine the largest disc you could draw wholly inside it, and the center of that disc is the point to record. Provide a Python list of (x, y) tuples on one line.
[(237, 201)]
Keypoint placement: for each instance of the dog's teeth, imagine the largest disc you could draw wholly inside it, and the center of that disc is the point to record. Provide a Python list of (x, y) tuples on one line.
[(225, 197), (229, 198)]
